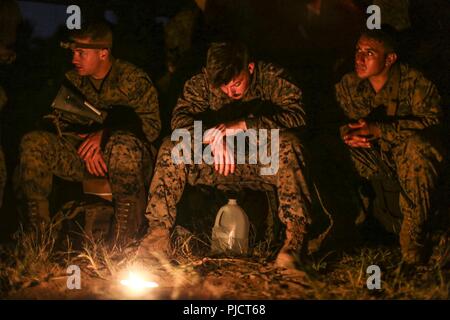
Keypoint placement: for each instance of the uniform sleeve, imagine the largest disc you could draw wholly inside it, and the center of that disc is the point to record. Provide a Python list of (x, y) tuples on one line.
[(143, 97), (351, 104), (287, 97), (425, 110), (194, 100)]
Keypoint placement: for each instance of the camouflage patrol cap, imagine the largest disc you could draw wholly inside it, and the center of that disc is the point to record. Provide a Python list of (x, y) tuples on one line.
[(98, 35), (75, 44)]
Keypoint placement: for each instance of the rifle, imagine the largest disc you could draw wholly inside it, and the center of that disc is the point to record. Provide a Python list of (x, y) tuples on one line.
[(373, 159), (69, 101)]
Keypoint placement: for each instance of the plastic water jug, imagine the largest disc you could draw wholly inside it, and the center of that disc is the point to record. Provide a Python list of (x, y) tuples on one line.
[(230, 231)]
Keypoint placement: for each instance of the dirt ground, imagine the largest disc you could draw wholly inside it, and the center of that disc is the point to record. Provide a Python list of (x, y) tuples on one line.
[(210, 279), (333, 276)]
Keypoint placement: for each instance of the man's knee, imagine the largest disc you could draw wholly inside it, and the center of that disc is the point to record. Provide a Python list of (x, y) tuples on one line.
[(125, 151), (167, 145), (289, 137), (36, 139), (290, 147), (126, 143), (174, 152), (421, 150)]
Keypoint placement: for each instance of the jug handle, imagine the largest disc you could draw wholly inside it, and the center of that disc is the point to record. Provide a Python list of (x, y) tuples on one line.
[(219, 217)]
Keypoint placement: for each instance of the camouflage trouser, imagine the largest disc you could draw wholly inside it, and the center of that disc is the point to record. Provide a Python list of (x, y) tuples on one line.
[(2, 175), (417, 164), (44, 154), (290, 182)]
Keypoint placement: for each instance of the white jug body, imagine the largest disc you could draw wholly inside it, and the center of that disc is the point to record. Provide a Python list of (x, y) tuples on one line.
[(230, 231)]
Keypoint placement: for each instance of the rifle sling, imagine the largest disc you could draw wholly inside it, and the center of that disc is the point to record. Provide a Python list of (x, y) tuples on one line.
[(394, 98)]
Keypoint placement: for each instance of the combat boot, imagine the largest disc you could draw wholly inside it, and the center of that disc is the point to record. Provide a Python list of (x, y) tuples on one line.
[(155, 246), (38, 213), (288, 257), (412, 243), (128, 222)]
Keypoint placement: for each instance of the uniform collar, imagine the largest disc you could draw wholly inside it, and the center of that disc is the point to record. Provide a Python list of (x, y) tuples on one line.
[(364, 84), (110, 76)]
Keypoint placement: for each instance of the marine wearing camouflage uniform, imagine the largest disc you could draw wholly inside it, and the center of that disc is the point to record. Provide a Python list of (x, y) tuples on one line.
[(129, 159), (406, 142), (268, 83)]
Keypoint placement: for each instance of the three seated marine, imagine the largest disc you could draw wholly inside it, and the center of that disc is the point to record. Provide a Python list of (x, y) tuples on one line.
[(81, 148)]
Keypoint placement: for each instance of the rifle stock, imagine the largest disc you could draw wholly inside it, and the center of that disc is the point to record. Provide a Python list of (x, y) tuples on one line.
[(70, 100)]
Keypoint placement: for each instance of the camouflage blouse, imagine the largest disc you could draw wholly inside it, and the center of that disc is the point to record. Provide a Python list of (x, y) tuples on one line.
[(268, 83), (126, 85), (417, 101)]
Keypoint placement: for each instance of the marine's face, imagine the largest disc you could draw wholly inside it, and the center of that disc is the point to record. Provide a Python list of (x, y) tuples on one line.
[(7, 55), (87, 62), (237, 87), (370, 58)]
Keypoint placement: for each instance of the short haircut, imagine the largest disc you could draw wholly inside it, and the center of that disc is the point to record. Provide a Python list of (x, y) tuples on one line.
[(225, 61), (387, 35), (96, 31)]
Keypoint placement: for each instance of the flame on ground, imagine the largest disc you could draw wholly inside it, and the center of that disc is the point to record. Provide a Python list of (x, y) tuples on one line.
[(137, 283)]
